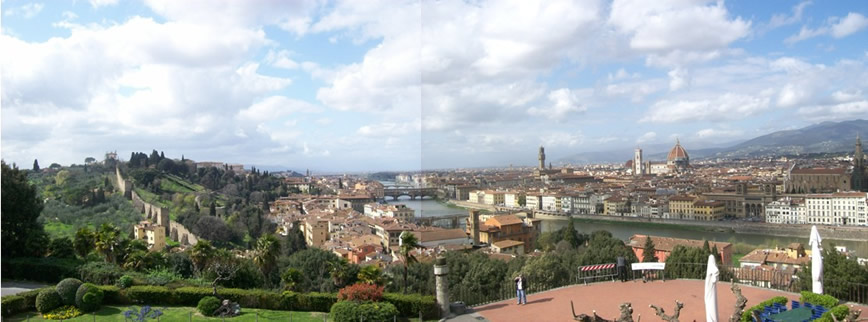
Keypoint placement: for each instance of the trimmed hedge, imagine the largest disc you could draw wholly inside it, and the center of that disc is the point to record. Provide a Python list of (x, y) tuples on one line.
[(41, 269), (67, 288), (89, 297), (21, 302), (409, 305), (351, 311), (746, 316), (839, 311), (826, 301), (48, 300), (100, 273), (207, 305)]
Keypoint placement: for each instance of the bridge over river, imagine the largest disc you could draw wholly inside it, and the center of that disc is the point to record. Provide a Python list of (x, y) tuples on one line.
[(413, 193)]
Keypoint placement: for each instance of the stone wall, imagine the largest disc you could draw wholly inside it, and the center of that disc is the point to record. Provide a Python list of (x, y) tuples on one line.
[(156, 214)]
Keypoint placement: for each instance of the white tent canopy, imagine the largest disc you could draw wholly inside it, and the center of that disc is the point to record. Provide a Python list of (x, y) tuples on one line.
[(711, 276), (816, 261)]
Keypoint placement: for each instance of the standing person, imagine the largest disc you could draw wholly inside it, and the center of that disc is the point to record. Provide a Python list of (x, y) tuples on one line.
[(520, 287), (622, 269)]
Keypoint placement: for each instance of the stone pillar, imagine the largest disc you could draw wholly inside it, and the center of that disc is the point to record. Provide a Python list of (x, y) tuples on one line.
[(442, 287)]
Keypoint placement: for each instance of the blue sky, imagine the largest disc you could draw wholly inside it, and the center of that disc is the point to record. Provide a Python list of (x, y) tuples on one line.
[(399, 85)]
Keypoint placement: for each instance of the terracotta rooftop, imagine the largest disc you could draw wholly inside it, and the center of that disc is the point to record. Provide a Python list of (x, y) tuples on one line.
[(507, 243), (668, 243), (504, 220)]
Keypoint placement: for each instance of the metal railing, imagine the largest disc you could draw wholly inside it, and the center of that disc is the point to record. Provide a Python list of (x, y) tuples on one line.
[(782, 280)]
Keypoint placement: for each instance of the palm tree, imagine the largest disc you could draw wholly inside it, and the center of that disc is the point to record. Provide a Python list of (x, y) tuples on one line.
[(266, 252), (371, 274), (408, 244), (201, 253), (107, 240)]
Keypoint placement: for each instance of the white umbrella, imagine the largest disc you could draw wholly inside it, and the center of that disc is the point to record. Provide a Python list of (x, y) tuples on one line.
[(711, 290), (816, 261)]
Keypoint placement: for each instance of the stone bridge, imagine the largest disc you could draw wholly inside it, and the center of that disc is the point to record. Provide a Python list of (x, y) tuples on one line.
[(448, 221), (413, 193)]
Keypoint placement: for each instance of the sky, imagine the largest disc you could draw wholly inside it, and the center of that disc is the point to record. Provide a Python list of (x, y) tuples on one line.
[(403, 85)]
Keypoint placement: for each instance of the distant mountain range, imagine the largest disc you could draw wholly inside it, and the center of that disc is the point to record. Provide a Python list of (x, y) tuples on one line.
[(826, 137)]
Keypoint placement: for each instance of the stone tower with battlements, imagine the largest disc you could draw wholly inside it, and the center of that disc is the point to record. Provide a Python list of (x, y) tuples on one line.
[(638, 165), (542, 158)]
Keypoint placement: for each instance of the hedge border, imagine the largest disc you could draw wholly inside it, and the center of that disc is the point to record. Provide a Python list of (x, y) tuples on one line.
[(408, 305)]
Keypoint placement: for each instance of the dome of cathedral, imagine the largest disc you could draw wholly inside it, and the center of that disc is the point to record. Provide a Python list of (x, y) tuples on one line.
[(677, 153)]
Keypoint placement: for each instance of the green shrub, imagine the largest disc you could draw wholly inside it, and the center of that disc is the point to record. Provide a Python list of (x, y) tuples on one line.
[(89, 297), (311, 302), (190, 296), (67, 288), (745, 317), (100, 273), (48, 300), (161, 277), (839, 311), (113, 295), (150, 295), (409, 305), (207, 305), (349, 311), (13, 304), (42, 269), (21, 302), (826, 301), (125, 281)]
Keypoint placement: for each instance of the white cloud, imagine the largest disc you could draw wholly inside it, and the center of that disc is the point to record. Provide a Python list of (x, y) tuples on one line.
[(27, 11), (852, 23), (678, 78), (647, 137), (780, 20), (275, 107), (562, 139), (835, 112), (726, 107), (718, 133), (281, 59), (834, 26), (390, 129), (681, 25), (102, 3), (563, 102)]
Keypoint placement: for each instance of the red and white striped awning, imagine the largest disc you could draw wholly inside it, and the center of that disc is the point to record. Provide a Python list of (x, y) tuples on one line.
[(596, 267)]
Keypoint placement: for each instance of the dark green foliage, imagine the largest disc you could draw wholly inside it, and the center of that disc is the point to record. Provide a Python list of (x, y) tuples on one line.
[(545, 272), (604, 248), (113, 295), (839, 311), (67, 288), (189, 296), (48, 300), (22, 234), (13, 304), (348, 311), (687, 262), (100, 273), (746, 316), (315, 265), (116, 211), (89, 297), (826, 301), (648, 252), (207, 305), (83, 242), (247, 276), (46, 269), (161, 277), (839, 274), (61, 248), (409, 305), (294, 241), (181, 264), (152, 295)]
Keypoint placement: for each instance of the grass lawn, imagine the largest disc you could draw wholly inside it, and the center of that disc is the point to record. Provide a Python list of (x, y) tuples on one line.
[(116, 313), (152, 198), (57, 229)]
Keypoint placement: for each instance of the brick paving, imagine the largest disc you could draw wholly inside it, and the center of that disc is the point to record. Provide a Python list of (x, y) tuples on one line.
[(606, 297)]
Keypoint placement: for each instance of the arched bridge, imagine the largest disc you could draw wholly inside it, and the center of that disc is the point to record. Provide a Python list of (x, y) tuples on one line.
[(413, 193), (448, 221)]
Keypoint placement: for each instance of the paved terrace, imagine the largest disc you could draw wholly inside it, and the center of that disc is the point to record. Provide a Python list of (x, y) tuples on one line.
[(605, 298)]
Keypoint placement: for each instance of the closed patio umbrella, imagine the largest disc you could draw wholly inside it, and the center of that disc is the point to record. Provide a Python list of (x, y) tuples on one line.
[(711, 276), (816, 261)]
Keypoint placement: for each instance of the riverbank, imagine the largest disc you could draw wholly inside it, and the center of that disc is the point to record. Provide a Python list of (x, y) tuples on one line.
[(833, 232)]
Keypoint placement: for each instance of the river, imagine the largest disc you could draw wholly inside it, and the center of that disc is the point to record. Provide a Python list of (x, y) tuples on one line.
[(621, 230)]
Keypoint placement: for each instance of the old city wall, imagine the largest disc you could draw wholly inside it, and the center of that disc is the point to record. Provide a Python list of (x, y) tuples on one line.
[(123, 185), (156, 214)]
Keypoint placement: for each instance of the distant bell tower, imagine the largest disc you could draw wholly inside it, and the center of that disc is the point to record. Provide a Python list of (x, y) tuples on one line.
[(638, 170), (859, 180), (542, 158)]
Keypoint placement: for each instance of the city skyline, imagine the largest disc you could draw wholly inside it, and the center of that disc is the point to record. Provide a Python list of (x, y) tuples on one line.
[(408, 85)]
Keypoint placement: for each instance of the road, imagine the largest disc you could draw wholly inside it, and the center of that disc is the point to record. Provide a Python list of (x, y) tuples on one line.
[(15, 287)]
